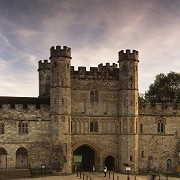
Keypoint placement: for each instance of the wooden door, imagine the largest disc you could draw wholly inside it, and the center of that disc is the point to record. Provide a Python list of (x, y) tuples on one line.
[(21, 158), (3, 158), (3, 161)]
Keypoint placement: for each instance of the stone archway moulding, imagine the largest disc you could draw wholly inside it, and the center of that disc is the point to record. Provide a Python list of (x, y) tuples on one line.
[(86, 143), (107, 154)]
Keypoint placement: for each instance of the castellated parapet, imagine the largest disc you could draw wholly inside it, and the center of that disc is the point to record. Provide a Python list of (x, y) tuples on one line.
[(107, 66), (24, 103), (44, 64), (128, 55), (24, 106), (58, 52), (160, 108), (105, 72)]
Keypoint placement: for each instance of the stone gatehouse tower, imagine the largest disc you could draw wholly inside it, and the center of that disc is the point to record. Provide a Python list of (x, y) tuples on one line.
[(91, 115)]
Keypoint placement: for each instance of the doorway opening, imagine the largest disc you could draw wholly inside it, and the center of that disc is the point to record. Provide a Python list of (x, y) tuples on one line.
[(22, 158), (3, 158), (110, 163), (169, 165), (87, 155)]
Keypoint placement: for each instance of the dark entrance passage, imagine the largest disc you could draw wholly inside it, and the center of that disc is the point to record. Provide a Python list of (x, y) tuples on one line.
[(109, 162), (169, 165), (88, 157)]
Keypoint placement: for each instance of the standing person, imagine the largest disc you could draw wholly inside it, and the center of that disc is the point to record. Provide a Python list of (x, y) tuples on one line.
[(105, 171), (93, 168)]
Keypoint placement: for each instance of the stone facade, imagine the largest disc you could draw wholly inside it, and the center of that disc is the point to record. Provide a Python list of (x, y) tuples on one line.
[(91, 114)]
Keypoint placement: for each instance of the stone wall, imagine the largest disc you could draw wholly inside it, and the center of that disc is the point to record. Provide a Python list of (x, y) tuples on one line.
[(157, 149), (37, 141)]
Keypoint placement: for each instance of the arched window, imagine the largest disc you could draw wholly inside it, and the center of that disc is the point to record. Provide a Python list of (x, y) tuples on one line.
[(93, 126), (160, 126), (94, 95)]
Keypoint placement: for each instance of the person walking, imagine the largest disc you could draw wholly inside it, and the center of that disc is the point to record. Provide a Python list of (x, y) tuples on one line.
[(105, 171)]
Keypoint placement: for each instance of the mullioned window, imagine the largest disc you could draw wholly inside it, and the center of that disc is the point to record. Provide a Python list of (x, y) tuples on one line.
[(23, 127)]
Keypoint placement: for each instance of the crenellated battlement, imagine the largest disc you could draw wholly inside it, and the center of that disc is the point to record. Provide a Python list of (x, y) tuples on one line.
[(23, 102), (128, 55), (31, 107), (107, 66), (160, 108), (60, 52), (105, 72), (44, 64)]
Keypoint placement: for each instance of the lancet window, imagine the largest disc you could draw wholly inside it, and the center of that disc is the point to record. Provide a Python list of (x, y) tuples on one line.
[(160, 126), (94, 94), (93, 126)]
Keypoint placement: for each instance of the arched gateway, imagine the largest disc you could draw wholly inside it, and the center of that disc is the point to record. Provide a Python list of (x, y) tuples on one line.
[(84, 158), (110, 163)]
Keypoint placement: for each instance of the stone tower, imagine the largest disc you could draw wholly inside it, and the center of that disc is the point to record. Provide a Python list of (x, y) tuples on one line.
[(60, 101), (128, 109), (44, 78)]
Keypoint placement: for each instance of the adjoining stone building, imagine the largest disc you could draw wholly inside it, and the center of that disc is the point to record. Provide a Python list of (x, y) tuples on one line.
[(92, 114)]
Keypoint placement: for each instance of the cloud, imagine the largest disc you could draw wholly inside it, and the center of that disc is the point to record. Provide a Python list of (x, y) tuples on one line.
[(95, 30)]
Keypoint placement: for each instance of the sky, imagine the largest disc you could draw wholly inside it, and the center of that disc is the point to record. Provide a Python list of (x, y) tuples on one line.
[(96, 30)]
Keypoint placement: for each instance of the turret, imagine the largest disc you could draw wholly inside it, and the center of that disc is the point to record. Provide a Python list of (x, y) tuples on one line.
[(44, 78), (128, 108), (60, 99), (58, 52), (128, 55)]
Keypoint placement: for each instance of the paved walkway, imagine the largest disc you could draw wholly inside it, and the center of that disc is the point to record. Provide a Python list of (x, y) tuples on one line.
[(98, 176)]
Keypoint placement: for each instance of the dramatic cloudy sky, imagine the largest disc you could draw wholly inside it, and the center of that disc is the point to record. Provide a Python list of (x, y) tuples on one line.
[(95, 30)]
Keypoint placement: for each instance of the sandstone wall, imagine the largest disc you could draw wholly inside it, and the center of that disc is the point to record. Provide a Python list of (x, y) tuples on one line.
[(158, 149), (38, 139)]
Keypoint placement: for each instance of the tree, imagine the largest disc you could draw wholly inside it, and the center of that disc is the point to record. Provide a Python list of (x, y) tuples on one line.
[(165, 88)]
